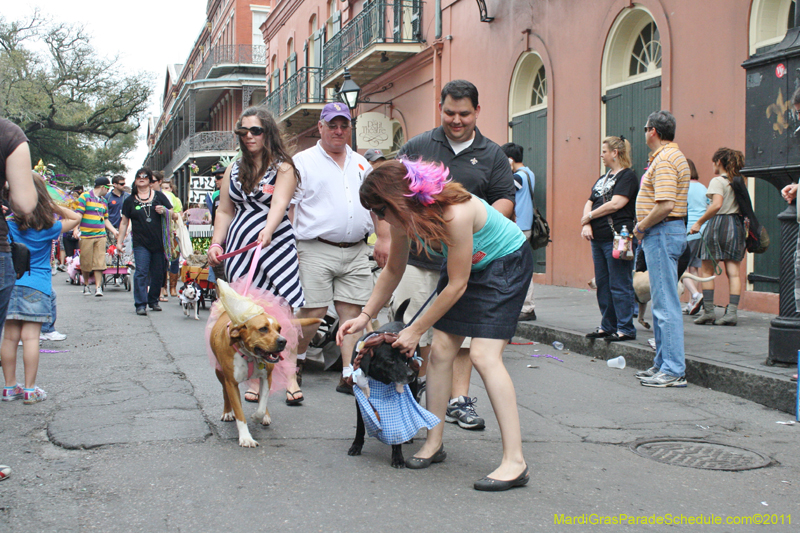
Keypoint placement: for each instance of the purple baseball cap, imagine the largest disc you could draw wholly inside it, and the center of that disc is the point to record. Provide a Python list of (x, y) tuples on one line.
[(333, 110)]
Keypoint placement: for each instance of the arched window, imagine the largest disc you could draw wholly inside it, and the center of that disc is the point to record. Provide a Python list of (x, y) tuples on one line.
[(646, 54), (633, 49), (539, 88), (398, 138), (528, 85), (769, 22)]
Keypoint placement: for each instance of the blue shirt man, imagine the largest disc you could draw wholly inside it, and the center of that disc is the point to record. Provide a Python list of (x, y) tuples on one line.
[(525, 181), (115, 198)]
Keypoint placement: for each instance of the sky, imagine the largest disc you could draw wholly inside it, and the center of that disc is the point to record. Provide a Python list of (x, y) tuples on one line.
[(147, 35)]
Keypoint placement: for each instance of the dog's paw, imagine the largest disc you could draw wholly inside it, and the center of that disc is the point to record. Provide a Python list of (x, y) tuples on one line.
[(227, 417), (247, 442), (355, 449), (264, 418), (197, 318)]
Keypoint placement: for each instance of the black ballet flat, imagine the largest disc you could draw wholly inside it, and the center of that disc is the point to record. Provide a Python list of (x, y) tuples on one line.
[(598, 334), (416, 463), (495, 485), (616, 337)]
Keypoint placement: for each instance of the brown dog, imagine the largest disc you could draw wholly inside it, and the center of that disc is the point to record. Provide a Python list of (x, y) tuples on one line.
[(641, 290), (246, 352)]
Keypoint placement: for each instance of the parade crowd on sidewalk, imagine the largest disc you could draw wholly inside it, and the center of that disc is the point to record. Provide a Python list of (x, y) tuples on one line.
[(447, 223)]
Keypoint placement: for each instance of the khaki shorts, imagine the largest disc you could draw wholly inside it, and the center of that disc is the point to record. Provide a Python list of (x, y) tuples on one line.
[(329, 273), (93, 254), (418, 284)]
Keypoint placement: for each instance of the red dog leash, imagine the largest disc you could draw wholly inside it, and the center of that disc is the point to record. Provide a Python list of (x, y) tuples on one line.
[(237, 252)]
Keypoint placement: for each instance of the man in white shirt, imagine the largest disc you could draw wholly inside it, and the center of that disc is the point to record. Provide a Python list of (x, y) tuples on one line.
[(332, 227)]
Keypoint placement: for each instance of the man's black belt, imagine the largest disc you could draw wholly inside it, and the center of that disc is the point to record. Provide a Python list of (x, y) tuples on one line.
[(340, 244)]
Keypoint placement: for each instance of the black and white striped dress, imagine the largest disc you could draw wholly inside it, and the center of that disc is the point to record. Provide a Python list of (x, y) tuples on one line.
[(278, 270)]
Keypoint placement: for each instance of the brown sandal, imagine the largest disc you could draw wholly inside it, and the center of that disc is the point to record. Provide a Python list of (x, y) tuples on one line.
[(292, 399)]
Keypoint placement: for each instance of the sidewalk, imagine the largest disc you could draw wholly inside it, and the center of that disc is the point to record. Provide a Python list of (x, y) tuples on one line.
[(725, 359)]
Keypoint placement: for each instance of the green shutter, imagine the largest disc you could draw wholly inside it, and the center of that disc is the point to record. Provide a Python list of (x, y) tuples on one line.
[(530, 132), (627, 109)]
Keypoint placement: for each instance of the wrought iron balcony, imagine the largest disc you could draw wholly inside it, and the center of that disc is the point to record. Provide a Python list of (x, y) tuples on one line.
[(298, 100), (209, 143), (226, 57), (384, 34)]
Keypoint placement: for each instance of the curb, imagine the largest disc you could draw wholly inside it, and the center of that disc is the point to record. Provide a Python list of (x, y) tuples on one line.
[(763, 389)]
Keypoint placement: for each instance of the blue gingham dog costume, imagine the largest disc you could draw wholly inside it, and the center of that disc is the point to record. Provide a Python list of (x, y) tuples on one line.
[(400, 414)]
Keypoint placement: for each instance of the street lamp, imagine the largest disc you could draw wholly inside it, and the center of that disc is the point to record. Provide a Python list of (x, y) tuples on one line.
[(349, 93)]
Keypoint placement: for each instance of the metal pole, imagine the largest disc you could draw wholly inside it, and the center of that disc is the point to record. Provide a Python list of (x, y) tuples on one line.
[(439, 19), (784, 330)]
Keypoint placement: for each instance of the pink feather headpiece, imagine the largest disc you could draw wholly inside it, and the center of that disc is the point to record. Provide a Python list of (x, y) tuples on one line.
[(425, 180)]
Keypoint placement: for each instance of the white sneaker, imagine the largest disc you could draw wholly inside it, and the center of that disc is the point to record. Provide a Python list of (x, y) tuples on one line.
[(52, 336), (99, 291), (87, 291)]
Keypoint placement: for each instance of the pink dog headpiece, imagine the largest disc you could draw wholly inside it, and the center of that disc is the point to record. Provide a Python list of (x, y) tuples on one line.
[(425, 180)]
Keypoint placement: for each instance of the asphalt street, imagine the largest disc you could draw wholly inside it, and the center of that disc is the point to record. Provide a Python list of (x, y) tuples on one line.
[(130, 439)]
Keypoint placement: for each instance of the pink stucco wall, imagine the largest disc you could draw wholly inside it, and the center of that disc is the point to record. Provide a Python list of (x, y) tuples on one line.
[(703, 85)]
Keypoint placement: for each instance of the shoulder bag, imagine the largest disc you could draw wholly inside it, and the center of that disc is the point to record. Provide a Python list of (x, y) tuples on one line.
[(756, 236), (20, 257), (540, 229)]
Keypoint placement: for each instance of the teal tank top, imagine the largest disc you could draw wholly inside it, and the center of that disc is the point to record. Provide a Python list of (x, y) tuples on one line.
[(497, 238)]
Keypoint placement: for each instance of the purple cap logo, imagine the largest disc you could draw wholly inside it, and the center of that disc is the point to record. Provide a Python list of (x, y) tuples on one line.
[(333, 110)]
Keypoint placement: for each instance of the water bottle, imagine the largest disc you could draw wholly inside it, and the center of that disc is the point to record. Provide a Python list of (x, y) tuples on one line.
[(557, 345), (624, 233)]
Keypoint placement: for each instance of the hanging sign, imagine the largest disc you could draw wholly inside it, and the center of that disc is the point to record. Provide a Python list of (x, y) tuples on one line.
[(780, 70), (374, 130), (199, 186)]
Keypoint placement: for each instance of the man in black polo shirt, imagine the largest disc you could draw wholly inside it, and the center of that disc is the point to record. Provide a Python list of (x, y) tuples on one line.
[(482, 168)]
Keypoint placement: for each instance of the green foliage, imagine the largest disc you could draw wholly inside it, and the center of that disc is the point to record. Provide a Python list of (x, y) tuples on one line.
[(78, 109)]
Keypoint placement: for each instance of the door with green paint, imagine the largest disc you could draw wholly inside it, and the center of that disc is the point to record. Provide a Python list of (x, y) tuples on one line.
[(530, 132), (627, 109)]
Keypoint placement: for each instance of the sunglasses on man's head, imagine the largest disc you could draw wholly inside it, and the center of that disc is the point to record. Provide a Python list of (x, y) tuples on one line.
[(255, 130), (379, 212)]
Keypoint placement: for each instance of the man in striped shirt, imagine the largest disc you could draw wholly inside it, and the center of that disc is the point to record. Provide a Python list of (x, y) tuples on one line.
[(92, 233), (661, 210)]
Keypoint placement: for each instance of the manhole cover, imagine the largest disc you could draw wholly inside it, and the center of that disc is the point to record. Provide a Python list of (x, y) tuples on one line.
[(700, 454)]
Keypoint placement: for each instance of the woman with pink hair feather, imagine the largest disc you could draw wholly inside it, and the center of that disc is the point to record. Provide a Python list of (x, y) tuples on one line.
[(482, 286)]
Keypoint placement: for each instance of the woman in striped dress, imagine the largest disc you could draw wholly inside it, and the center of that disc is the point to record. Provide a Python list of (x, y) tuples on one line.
[(724, 237), (253, 206)]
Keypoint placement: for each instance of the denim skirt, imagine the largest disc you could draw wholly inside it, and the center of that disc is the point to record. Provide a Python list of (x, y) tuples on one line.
[(490, 306), (29, 305)]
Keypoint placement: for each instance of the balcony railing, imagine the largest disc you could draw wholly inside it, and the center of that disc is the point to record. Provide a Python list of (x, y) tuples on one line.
[(233, 54), (303, 87), (206, 141), (382, 21)]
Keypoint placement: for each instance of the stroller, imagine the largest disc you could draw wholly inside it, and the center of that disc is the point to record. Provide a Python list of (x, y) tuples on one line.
[(117, 272)]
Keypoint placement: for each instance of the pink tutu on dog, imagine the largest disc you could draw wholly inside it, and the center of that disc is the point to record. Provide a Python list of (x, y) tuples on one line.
[(279, 309)]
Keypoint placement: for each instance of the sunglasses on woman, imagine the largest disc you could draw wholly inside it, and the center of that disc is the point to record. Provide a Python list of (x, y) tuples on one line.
[(379, 212), (255, 130)]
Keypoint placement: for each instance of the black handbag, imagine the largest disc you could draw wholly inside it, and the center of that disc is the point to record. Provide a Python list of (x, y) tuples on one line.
[(21, 257), (540, 229), (756, 236)]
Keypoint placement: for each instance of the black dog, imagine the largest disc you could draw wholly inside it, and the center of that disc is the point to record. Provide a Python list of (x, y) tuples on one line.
[(387, 365)]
